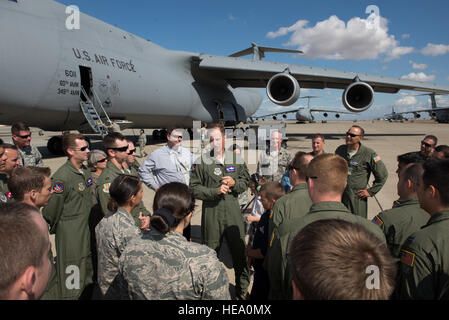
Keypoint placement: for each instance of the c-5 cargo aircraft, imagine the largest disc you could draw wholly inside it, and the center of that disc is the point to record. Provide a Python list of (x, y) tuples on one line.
[(440, 114), (56, 78), (302, 114), (395, 116)]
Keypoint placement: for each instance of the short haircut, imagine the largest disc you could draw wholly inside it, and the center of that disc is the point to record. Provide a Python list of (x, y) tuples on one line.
[(68, 141), (25, 179), (8, 146), (444, 149), (362, 132), (318, 135), (273, 190), (436, 173), (330, 260), (331, 171), (413, 172), (109, 141), (21, 244), (218, 126), (300, 163), (430, 136), (19, 126), (410, 157)]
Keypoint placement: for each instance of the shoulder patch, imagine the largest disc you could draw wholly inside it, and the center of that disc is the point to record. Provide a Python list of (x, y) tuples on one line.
[(58, 187), (89, 182), (396, 204), (407, 258), (376, 158), (3, 198), (377, 220), (8, 195)]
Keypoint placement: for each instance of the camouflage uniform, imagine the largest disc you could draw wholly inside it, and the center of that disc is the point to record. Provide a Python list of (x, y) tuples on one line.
[(168, 267), (104, 182), (5, 195), (274, 165), (400, 222), (30, 156), (113, 233)]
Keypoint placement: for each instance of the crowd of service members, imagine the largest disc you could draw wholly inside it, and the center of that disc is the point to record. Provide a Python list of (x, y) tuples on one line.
[(309, 236)]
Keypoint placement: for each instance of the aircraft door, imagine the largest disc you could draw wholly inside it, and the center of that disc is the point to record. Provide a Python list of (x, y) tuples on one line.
[(86, 82), (228, 113)]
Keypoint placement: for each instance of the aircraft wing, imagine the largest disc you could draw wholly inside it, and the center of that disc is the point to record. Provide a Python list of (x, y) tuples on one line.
[(331, 111), (424, 110), (240, 72)]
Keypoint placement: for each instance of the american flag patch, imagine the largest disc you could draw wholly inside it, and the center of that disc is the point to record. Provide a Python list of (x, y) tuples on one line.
[(377, 220), (376, 159), (407, 257)]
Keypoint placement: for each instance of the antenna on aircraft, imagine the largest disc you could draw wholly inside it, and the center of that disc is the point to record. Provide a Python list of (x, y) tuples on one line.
[(308, 99), (259, 52)]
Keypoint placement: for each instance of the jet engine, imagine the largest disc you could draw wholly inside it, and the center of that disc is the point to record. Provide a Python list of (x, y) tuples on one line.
[(337, 116), (283, 89), (358, 96), (275, 118), (325, 114), (417, 115)]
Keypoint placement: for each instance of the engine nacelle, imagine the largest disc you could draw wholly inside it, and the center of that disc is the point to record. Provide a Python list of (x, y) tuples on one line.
[(337, 116), (325, 114), (275, 118), (358, 97), (283, 89), (417, 115)]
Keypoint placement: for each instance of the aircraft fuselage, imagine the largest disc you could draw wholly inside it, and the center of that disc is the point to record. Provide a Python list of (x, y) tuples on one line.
[(44, 66)]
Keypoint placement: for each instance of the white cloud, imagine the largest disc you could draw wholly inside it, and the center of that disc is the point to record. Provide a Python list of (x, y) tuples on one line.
[(435, 49), (406, 101), (333, 39), (405, 36), (418, 66), (420, 76), (231, 17)]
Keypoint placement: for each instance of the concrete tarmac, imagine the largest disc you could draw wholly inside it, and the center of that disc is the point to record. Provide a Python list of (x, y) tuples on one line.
[(389, 139)]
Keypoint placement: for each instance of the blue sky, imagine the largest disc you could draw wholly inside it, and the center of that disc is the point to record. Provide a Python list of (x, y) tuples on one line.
[(411, 41)]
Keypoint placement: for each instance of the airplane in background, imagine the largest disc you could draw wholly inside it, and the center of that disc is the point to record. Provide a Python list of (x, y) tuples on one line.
[(302, 114), (395, 116), (58, 78), (440, 114)]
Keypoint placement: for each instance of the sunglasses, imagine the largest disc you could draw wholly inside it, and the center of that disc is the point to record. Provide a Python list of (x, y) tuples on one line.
[(121, 149), (102, 160), (130, 152), (427, 145), (290, 168), (176, 137), (25, 136), (82, 148), (352, 135)]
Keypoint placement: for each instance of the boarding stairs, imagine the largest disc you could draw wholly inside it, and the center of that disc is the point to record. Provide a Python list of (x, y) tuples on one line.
[(98, 123)]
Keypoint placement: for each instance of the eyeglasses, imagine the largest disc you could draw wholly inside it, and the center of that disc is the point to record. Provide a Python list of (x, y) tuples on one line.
[(102, 160), (352, 135), (176, 136), (427, 145), (311, 177), (25, 136), (121, 149), (81, 149), (130, 152)]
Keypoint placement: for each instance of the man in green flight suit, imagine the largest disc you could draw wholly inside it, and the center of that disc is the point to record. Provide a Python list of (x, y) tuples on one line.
[(67, 214), (294, 204), (116, 147), (424, 267), (218, 178), (4, 192), (326, 181), (362, 161), (407, 216)]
